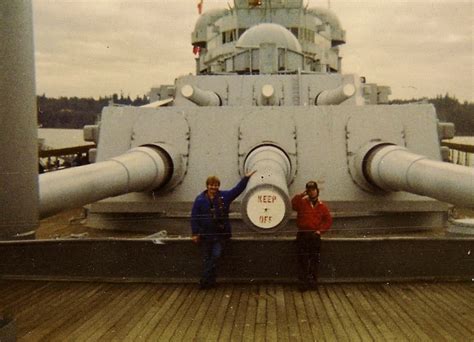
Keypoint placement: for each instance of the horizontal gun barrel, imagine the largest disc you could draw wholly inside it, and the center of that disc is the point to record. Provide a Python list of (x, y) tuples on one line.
[(266, 203), (140, 169), (394, 168), (200, 97), (335, 96)]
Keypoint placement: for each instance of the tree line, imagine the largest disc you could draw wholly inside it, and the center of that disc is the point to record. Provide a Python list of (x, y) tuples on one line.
[(74, 112), (449, 109)]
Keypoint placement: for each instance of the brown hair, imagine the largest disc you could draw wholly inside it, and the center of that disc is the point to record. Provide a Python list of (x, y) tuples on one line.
[(213, 180), (312, 185)]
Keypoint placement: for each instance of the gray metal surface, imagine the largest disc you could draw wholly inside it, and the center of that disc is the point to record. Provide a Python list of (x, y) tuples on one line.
[(250, 260), (266, 202), (140, 169), (335, 96), (199, 96), (319, 141), (226, 36), (18, 140), (394, 168), (461, 226)]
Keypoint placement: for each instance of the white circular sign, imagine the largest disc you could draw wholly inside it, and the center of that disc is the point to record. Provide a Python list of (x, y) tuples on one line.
[(266, 208)]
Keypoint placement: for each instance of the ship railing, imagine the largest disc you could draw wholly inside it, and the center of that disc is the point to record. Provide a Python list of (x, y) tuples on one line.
[(460, 153), (61, 158)]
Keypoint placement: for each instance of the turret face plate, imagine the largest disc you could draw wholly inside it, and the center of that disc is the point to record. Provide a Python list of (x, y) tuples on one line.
[(266, 208)]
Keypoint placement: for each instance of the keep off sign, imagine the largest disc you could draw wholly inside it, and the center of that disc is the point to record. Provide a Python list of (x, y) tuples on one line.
[(265, 208)]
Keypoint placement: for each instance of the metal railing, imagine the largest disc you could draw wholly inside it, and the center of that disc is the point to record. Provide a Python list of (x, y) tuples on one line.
[(61, 158), (460, 154)]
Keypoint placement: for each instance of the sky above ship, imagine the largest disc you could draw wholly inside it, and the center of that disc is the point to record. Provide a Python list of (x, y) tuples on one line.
[(92, 48)]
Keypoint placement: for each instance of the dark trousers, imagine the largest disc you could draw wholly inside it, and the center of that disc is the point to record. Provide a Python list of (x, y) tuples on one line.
[(308, 246), (211, 253)]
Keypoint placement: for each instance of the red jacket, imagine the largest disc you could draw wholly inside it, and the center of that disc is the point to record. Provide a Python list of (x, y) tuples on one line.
[(315, 218)]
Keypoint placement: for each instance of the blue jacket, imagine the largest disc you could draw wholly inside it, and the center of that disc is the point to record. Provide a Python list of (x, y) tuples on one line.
[(211, 220)]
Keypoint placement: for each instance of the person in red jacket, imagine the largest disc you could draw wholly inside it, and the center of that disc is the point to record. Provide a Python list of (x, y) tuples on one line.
[(313, 219)]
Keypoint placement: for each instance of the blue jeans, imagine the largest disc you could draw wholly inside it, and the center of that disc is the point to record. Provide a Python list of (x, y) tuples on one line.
[(211, 253)]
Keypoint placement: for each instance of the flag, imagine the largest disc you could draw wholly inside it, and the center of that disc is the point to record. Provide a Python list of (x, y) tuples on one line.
[(200, 6)]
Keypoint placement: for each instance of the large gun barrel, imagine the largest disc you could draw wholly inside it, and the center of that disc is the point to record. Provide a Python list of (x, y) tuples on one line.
[(335, 96), (266, 203), (200, 97), (140, 169), (392, 168)]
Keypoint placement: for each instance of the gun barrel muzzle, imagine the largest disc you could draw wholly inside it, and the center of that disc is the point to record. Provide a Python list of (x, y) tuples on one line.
[(335, 96), (266, 204)]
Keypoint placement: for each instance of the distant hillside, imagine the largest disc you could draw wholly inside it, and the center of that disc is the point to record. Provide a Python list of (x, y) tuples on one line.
[(74, 112), (449, 109)]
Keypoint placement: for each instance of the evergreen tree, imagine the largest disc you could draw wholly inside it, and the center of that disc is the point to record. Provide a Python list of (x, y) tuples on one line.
[(74, 112)]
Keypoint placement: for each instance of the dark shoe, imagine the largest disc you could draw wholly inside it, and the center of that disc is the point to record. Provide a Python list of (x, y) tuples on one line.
[(206, 286), (303, 287), (203, 285)]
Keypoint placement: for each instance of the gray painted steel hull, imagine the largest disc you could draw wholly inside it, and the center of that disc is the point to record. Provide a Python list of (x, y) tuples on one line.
[(246, 260)]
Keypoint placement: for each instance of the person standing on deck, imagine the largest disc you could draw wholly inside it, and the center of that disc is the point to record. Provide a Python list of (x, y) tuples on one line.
[(313, 219), (210, 224)]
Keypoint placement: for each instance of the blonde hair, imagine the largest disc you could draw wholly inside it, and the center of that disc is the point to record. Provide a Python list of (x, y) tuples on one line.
[(213, 180)]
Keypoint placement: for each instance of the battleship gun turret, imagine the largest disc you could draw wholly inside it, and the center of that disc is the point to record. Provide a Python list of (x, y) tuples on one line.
[(144, 168), (269, 96)]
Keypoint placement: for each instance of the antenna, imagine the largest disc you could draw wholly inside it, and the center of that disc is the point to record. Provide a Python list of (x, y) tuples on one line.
[(329, 4)]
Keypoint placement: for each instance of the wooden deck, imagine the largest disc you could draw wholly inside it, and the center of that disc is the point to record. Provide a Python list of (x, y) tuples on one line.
[(80, 311)]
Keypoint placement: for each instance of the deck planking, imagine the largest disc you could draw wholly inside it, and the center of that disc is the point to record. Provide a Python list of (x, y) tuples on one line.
[(86, 311)]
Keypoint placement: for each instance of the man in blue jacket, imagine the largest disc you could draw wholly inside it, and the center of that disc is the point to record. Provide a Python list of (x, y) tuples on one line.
[(210, 223)]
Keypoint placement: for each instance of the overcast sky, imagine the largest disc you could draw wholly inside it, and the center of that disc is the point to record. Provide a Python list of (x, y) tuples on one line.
[(100, 47)]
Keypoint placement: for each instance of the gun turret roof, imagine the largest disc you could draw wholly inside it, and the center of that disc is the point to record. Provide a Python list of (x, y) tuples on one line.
[(269, 33)]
